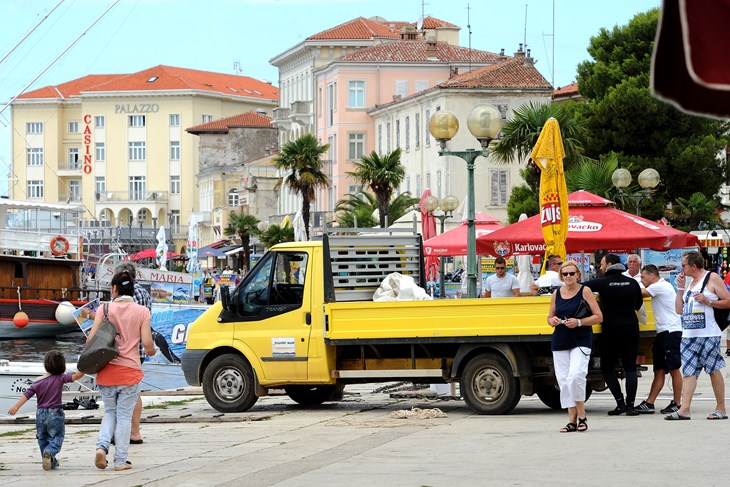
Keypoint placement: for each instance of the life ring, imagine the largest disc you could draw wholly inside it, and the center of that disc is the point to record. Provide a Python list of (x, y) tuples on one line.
[(59, 245)]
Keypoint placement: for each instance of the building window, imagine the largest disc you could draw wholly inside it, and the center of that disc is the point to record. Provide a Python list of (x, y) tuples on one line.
[(408, 133), (408, 184), (174, 150), (331, 103), (137, 187), (207, 118), (100, 150), (380, 139), (332, 151), (356, 94), (137, 151), (418, 131), (73, 158), (174, 184), (428, 134), (100, 186), (418, 185), (34, 156), (421, 84), (99, 122), (174, 120), (401, 88), (73, 127), (137, 121), (34, 128), (397, 134), (174, 219), (499, 188), (356, 146), (74, 190), (428, 180), (387, 138), (143, 215), (233, 197), (35, 188)]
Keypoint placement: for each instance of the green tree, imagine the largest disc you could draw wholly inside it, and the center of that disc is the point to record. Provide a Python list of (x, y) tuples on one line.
[(623, 117), (593, 176), (276, 234), (382, 174), (520, 134), (362, 206), (695, 209), (301, 158), (243, 226), (522, 200)]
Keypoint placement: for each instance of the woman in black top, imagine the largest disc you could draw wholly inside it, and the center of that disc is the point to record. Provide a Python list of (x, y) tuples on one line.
[(571, 343)]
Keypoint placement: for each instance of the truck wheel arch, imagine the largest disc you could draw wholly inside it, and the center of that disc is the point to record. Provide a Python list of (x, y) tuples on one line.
[(217, 352), (516, 356)]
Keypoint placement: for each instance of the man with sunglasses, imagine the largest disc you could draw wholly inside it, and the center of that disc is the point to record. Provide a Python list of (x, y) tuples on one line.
[(551, 279), (620, 299), (501, 284)]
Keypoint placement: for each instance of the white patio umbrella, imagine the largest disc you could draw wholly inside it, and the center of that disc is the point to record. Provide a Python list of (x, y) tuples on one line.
[(162, 249), (524, 264), (300, 232), (192, 245)]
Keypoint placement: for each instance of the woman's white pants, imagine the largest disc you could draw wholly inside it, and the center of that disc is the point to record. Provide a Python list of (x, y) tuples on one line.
[(571, 368)]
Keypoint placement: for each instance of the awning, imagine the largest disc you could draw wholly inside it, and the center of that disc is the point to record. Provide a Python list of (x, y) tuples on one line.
[(219, 243), (234, 251)]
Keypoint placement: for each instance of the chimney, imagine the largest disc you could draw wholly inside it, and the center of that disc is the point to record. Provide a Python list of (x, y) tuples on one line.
[(431, 45), (528, 61), (454, 72), (502, 56), (520, 53)]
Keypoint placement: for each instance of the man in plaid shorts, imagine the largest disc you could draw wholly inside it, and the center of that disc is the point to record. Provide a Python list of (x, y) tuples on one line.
[(698, 292)]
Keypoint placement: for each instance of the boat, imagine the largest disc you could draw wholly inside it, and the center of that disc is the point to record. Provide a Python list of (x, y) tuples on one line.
[(40, 269)]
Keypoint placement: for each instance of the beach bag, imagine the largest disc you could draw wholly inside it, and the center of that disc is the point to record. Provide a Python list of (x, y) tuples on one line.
[(721, 315), (101, 349)]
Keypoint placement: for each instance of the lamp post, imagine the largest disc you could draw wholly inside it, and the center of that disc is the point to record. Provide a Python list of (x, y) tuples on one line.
[(447, 207), (648, 180), (484, 123)]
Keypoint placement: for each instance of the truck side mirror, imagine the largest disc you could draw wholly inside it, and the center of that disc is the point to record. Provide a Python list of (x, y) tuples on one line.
[(226, 297)]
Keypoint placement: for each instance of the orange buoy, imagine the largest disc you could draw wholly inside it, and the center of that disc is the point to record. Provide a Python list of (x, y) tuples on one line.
[(20, 319), (59, 245)]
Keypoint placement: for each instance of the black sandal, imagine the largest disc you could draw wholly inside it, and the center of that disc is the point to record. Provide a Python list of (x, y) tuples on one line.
[(569, 428), (582, 424)]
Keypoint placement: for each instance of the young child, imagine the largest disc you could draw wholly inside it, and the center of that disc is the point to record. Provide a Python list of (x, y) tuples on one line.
[(49, 420)]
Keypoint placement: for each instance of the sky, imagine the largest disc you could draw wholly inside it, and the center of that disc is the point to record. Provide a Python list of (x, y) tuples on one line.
[(230, 36)]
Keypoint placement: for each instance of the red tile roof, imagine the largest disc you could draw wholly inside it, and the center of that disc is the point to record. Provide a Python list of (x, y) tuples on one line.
[(359, 28), (417, 51), (512, 73), (163, 78), (567, 90), (248, 119), (434, 23)]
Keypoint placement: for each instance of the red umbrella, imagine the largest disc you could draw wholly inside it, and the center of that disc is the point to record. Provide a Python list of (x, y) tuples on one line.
[(592, 225), (149, 253), (453, 242), (428, 230)]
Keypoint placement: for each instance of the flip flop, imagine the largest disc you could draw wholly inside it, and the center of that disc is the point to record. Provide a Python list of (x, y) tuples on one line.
[(716, 415), (676, 416), (100, 459), (136, 442), (127, 465)]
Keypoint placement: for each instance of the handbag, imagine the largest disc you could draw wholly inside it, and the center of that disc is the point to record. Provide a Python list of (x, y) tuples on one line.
[(583, 310), (101, 349), (721, 315)]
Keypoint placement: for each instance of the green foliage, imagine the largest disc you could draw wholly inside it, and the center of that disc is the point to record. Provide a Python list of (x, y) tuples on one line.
[(593, 176), (522, 200), (362, 205), (695, 209), (382, 174), (243, 226), (301, 158), (276, 234)]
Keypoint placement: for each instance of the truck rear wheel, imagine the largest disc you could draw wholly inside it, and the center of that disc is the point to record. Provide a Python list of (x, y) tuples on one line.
[(550, 396), (313, 395), (228, 384), (489, 386)]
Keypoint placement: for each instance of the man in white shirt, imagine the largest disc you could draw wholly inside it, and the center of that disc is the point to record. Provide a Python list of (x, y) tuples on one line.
[(633, 270), (551, 276), (666, 348), (501, 284)]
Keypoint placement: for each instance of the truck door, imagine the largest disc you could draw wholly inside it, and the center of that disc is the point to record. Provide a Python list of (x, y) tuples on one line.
[(274, 314)]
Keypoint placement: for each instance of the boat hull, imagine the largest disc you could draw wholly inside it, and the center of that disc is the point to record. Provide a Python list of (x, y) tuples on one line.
[(42, 319)]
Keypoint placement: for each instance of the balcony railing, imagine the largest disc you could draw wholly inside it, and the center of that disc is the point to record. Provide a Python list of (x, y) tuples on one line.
[(70, 166), (72, 198), (123, 196)]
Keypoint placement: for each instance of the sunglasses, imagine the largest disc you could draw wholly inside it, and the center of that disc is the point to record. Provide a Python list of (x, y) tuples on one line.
[(569, 273), (557, 263), (500, 268)]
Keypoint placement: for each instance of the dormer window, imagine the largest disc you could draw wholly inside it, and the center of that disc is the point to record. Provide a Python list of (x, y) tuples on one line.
[(152, 79)]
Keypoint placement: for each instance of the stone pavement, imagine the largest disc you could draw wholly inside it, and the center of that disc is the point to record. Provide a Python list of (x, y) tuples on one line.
[(356, 442)]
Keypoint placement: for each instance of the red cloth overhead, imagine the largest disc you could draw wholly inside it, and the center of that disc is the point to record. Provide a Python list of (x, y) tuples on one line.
[(453, 242), (590, 228), (149, 253), (428, 230)]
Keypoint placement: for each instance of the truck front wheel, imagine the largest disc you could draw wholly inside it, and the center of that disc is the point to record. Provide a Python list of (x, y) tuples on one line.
[(228, 384), (550, 396), (489, 386), (313, 395)]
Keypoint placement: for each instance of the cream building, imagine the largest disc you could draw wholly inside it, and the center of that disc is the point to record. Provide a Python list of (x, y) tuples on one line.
[(118, 145)]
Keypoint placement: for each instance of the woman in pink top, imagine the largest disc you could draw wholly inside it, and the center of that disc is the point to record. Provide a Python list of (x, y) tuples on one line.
[(119, 381)]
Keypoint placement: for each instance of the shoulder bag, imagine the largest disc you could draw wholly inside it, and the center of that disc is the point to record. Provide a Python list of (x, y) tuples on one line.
[(583, 310), (101, 349), (721, 315)]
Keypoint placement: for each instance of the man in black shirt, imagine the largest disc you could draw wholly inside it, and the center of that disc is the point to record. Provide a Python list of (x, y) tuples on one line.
[(620, 299)]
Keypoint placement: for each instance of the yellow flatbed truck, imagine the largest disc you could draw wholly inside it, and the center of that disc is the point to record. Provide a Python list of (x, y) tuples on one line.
[(304, 320)]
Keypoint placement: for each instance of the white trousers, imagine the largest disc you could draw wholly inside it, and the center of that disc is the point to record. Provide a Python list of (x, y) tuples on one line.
[(571, 368)]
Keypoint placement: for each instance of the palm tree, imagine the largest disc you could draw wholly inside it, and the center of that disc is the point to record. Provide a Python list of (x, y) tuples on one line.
[(382, 174), (593, 176), (695, 209), (276, 234), (302, 159), (521, 133), (362, 205), (244, 226)]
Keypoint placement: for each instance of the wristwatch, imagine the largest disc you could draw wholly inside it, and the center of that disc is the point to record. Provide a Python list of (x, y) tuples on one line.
[(580, 323)]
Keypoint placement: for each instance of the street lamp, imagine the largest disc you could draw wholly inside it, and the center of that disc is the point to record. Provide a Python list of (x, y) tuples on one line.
[(447, 206), (648, 180), (484, 123)]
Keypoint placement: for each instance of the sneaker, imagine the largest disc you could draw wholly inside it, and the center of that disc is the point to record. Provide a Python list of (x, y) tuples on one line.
[(727, 352), (47, 461), (672, 408), (645, 408), (631, 411), (620, 409)]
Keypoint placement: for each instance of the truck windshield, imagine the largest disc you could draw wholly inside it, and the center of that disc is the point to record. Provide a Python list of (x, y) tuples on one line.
[(278, 281)]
